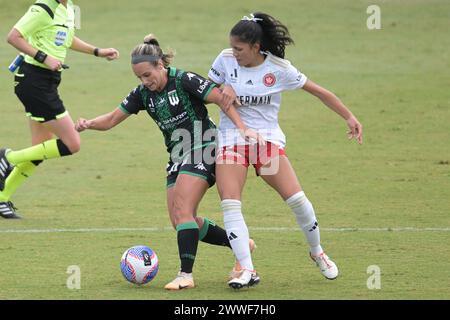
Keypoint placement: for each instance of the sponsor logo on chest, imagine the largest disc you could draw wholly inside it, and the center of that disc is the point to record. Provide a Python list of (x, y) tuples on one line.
[(255, 100)]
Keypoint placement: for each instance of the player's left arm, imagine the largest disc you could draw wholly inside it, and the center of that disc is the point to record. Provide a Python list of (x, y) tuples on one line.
[(228, 93), (84, 47), (335, 104), (207, 91)]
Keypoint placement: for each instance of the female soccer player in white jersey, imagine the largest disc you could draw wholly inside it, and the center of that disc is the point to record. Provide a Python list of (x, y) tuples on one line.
[(255, 73)]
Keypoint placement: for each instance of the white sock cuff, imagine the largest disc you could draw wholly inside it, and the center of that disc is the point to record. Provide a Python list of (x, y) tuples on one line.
[(231, 205), (231, 210)]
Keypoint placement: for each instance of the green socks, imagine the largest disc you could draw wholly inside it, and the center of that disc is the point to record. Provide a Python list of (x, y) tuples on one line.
[(187, 236), (213, 234)]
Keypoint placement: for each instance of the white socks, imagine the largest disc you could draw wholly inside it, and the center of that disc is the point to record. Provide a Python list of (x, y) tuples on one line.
[(237, 232), (306, 219), (238, 235)]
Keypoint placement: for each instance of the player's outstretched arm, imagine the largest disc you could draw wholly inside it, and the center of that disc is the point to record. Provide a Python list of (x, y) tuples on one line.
[(335, 104), (103, 122)]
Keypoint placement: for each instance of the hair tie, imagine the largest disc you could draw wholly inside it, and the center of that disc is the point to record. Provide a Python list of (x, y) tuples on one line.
[(251, 18)]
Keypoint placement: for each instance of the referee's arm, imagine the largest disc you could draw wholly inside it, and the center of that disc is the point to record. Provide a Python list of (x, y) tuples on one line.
[(16, 39), (84, 47)]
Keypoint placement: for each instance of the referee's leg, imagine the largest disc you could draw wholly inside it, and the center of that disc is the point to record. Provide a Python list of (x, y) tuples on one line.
[(24, 170), (39, 133), (64, 129)]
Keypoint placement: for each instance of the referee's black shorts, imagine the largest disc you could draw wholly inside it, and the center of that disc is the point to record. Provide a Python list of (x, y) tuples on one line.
[(37, 89)]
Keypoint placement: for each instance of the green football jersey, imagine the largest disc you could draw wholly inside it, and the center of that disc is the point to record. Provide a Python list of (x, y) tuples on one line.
[(178, 110)]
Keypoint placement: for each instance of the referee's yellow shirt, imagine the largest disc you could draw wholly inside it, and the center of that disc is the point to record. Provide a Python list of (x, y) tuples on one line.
[(52, 35)]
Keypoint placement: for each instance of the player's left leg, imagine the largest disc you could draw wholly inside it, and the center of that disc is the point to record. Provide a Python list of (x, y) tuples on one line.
[(285, 182)]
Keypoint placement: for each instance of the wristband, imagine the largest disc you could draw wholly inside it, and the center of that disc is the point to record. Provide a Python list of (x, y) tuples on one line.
[(96, 52), (40, 56)]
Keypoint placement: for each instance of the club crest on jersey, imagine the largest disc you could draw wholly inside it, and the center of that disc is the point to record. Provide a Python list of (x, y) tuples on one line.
[(173, 98), (269, 79)]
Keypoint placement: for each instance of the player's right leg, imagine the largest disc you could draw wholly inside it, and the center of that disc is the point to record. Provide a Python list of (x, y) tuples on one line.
[(212, 233), (183, 199), (231, 175)]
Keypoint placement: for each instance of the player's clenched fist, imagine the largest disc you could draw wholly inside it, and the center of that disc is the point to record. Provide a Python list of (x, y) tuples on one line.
[(82, 124)]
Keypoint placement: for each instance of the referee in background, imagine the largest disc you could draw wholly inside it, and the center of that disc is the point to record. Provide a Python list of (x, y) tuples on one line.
[(43, 34)]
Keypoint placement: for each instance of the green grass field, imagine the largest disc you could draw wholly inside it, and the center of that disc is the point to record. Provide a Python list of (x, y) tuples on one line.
[(87, 209)]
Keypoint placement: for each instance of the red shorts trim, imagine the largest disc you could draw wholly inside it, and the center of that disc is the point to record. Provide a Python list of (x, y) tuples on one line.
[(255, 155)]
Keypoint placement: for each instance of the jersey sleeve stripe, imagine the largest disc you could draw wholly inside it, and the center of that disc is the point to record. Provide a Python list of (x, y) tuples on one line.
[(208, 91), (122, 108)]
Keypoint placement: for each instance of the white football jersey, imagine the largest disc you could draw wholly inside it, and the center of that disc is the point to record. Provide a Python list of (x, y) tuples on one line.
[(259, 91)]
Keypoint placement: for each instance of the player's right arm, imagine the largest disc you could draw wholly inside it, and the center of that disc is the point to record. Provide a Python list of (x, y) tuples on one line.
[(102, 123), (132, 104)]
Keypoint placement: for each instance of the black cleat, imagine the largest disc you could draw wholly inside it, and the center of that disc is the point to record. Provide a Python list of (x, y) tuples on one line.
[(247, 279), (8, 210), (5, 168)]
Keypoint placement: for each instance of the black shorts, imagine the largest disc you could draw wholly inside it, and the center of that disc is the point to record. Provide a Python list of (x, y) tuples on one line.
[(194, 164), (37, 89)]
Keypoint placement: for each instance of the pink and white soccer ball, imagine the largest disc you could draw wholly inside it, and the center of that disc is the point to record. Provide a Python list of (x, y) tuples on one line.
[(139, 264)]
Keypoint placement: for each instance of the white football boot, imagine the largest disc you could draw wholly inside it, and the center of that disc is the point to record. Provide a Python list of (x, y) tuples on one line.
[(237, 269), (327, 267), (248, 278)]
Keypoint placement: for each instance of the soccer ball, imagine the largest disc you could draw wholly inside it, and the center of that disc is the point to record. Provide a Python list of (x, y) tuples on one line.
[(139, 264)]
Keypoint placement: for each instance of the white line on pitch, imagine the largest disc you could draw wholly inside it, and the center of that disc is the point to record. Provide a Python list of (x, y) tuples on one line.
[(262, 229)]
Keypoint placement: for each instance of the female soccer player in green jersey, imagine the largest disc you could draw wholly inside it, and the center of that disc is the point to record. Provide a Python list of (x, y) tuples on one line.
[(175, 100), (43, 34)]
